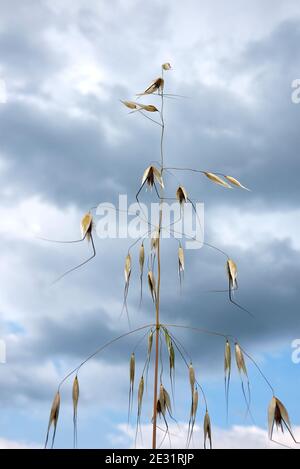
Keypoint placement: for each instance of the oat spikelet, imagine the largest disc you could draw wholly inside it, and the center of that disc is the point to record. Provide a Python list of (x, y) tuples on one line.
[(139, 406), (192, 377), (278, 415), (227, 372), (154, 239), (127, 274), (180, 263), (241, 365), (172, 367), (193, 413), (232, 274), (131, 382), (217, 180), (240, 361), (141, 263), (166, 66), (165, 401), (148, 107), (140, 396), (152, 286), (86, 226), (150, 175), (75, 398), (156, 85), (207, 430), (171, 353), (181, 195), (127, 268), (54, 413), (235, 182), (130, 104)]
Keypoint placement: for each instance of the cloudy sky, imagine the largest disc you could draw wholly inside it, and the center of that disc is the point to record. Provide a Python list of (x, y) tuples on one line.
[(68, 144)]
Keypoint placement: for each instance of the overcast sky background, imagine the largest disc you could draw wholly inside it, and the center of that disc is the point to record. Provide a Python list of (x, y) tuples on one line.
[(68, 144)]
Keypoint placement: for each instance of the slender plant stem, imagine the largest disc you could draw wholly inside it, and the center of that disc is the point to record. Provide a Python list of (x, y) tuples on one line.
[(157, 303)]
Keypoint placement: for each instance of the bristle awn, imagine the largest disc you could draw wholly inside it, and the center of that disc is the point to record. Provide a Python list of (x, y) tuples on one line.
[(227, 373), (259, 370), (100, 349), (207, 430), (75, 397), (86, 226), (131, 382), (139, 411), (90, 238), (241, 365), (141, 263), (54, 413)]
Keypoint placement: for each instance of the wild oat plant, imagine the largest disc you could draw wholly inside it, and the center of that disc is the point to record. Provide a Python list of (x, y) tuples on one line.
[(159, 335)]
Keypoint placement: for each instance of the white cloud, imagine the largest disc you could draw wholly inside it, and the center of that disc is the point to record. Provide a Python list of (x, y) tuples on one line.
[(11, 444), (245, 228), (236, 437)]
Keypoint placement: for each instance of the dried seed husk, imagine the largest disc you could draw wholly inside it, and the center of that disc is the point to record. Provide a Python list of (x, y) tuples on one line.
[(86, 225), (167, 339), (240, 361), (148, 107), (154, 239), (150, 343), (207, 430), (150, 174), (227, 358), (140, 395), (181, 195), (172, 357), (165, 401), (166, 66), (75, 397), (142, 258), (131, 382), (156, 85), (75, 394), (277, 414), (180, 259), (130, 104), (151, 283), (235, 182), (195, 403), (232, 273), (217, 180), (127, 268), (132, 369), (53, 419), (192, 377)]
